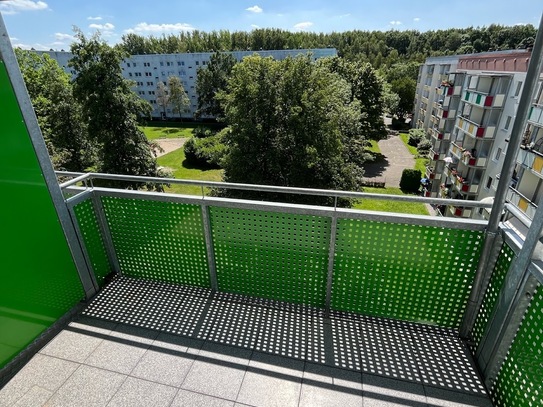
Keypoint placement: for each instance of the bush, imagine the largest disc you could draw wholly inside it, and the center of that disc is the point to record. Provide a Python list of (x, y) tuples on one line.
[(399, 124), (410, 181), (206, 152), (415, 137), (424, 147), (203, 132)]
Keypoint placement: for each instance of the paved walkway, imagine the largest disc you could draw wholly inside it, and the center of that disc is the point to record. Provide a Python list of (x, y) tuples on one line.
[(396, 158), (146, 344)]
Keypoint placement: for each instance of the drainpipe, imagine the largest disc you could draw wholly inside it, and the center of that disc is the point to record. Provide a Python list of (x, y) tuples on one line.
[(482, 274)]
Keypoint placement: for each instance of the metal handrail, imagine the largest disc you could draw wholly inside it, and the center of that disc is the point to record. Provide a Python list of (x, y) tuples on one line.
[(262, 188)]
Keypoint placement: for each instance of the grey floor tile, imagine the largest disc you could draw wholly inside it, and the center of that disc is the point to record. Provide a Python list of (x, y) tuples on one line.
[(42, 371), (36, 396), (445, 398), (218, 371), (142, 393), (88, 386), (168, 360), (384, 392), (327, 386), (123, 350), (272, 381), (78, 340), (188, 398)]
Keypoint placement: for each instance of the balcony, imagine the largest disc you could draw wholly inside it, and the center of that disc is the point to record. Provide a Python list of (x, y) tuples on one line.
[(446, 89), (460, 211), (475, 130), (521, 202), (436, 134), (482, 99), (436, 155), (536, 115), (532, 160)]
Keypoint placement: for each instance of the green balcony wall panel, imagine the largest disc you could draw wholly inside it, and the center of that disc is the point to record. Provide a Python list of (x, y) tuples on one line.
[(278, 256), (407, 272), (38, 279), (161, 241)]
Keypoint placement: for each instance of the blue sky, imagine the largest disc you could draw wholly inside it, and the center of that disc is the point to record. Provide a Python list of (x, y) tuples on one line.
[(45, 24)]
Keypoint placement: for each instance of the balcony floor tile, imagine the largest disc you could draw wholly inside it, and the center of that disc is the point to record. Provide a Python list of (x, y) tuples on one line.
[(217, 349)]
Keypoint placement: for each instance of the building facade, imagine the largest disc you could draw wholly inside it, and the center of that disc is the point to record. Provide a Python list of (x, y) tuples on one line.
[(469, 121), (146, 71)]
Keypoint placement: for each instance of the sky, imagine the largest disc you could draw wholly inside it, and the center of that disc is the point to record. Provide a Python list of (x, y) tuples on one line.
[(48, 24)]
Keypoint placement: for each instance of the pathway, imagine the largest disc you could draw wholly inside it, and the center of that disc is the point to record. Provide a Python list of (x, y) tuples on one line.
[(170, 144), (396, 158)]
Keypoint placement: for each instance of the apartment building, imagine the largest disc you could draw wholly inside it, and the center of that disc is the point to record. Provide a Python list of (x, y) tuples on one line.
[(146, 71), (469, 122)]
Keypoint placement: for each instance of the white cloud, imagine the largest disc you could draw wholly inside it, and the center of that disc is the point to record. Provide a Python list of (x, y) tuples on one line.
[(13, 39), (145, 27), (63, 37), (344, 15), (255, 26), (16, 6), (97, 18), (104, 27), (416, 19), (303, 25), (254, 9), (395, 22), (37, 46)]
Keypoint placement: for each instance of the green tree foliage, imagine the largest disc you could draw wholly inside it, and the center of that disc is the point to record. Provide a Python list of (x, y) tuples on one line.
[(405, 88), (415, 137), (292, 123), (410, 181), (378, 48), (111, 109), (211, 80), (58, 113), (178, 96), (206, 152), (366, 88), (162, 97)]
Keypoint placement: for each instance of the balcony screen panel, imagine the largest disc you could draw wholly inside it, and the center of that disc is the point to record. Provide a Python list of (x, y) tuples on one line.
[(519, 382), (39, 281), (272, 255), (491, 295), (161, 241), (92, 237), (408, 272)]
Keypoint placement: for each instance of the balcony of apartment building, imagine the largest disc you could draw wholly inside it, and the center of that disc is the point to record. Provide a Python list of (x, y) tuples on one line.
[(463, 181), (471, 154), (439, 150), (526, 189), (522, 202), (131, 297), (486, 91), (478, 123), (447, 88)]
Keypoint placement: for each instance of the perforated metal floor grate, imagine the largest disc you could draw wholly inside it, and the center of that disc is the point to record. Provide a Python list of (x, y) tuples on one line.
[(400, 350)]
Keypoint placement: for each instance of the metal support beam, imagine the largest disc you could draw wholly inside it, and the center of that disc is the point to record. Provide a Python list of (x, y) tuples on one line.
[(331, 255), (106, 233), (209, 247), (483, 268)]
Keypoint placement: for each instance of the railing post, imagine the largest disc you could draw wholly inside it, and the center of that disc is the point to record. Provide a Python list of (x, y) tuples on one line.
[(209, 247), (106, 233), (88, 278), (331, 255)]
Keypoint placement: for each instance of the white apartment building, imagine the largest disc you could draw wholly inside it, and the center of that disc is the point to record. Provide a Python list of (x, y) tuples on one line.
[(468, 120), (146, 71)]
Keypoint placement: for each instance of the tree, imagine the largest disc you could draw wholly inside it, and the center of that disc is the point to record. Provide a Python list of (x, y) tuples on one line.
[(367, 88), (162, 97), (178, 97), (59, 115), (292, 123), (110, 108), (212, 80), (405, 88)]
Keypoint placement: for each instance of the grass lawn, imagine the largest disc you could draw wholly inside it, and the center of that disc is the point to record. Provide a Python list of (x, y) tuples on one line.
[(175, 161), (373, 147), (420, 162), (152, 133), (411, 208)]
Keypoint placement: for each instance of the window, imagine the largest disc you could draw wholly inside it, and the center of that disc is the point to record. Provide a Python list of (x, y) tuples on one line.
[(178, 63), (507, 123), (182, 63), (148, 74), (151, 92), (130, 74), (197, 63), (168, 63), (498, 154), (488, 183), (128, 64), (161, 63), (149, 83), (137, 74), (134, 64), (519, 87)]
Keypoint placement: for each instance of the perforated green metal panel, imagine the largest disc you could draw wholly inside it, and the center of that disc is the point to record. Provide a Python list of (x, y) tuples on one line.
[(520, 380), (407, 272), (92, 237), (272, 255), (161, 241), (491, 295)]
